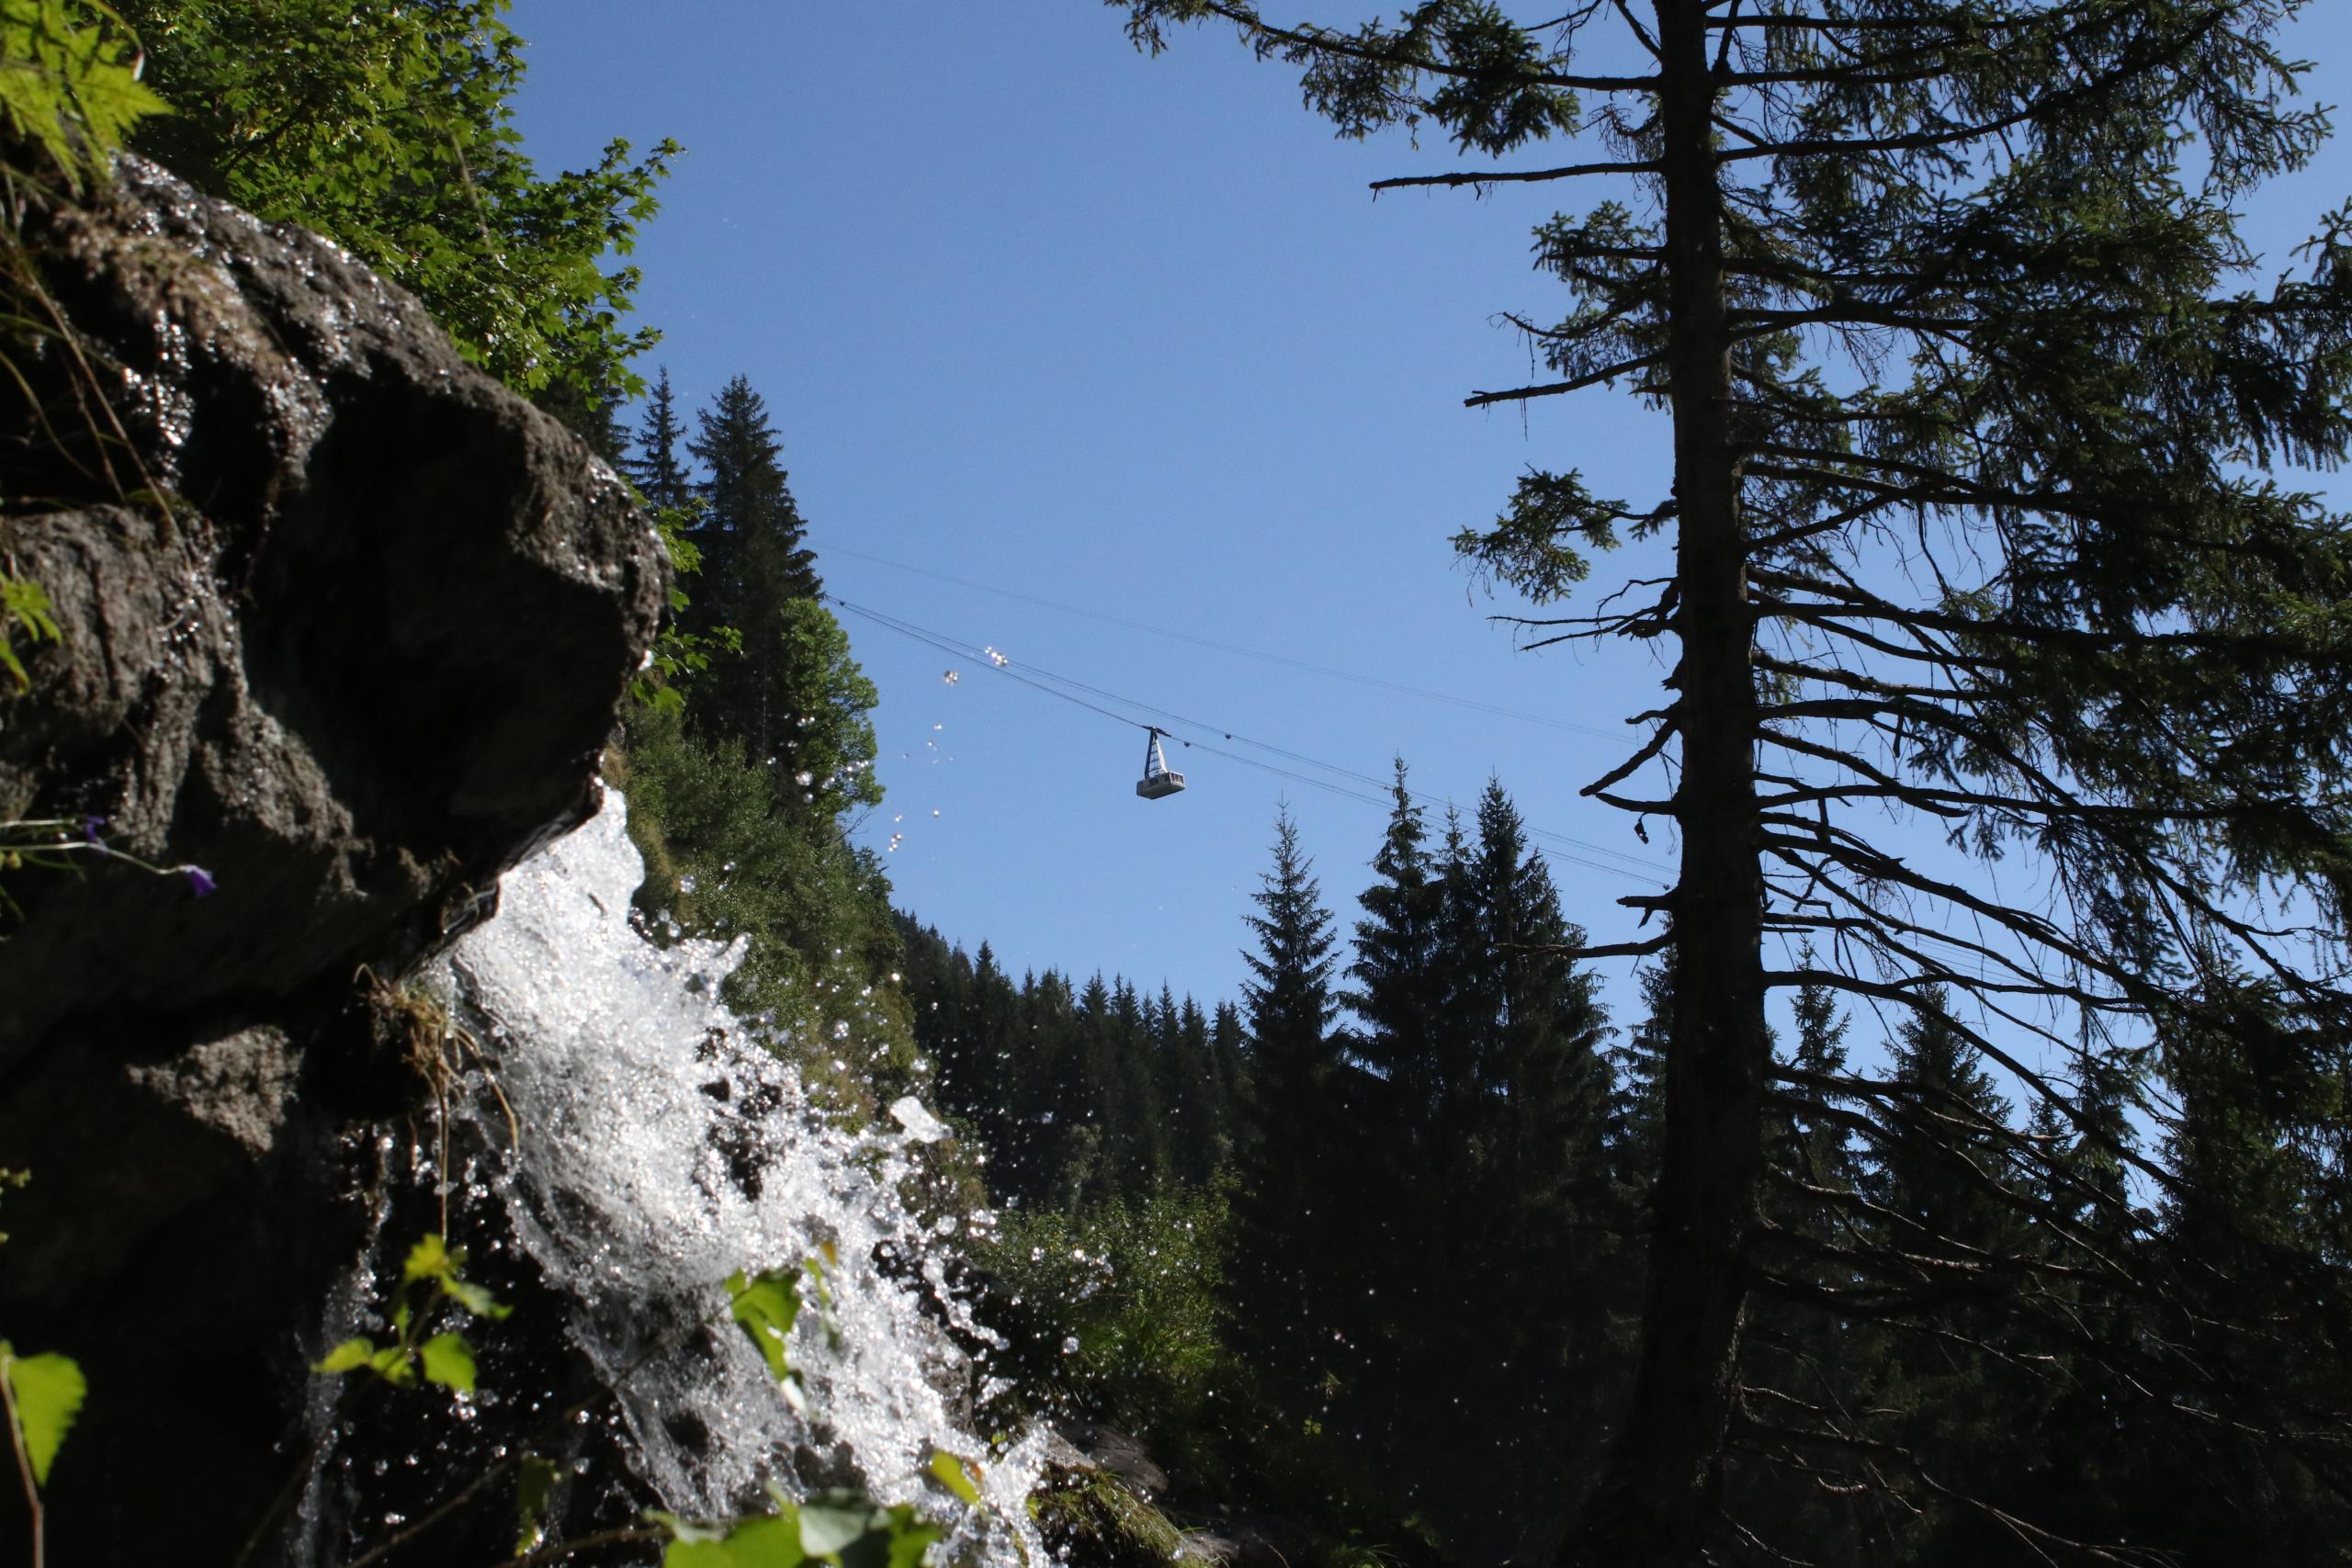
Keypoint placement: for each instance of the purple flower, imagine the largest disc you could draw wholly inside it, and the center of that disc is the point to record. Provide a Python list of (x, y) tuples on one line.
[(200, 880), (90, 826)]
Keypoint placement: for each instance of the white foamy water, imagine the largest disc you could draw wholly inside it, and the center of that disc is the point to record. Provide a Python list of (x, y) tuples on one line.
[(664, 1149)]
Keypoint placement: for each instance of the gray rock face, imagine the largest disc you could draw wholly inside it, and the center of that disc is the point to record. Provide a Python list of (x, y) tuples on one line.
[(360, 665), (344, 624)]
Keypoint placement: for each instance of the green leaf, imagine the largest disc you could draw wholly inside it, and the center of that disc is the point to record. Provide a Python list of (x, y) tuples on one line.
[(958, 1474), (46, 1393), (766, 1305), (450, 1362), (475, 1298), (349, 1356), (73, 89), (770, 1541), (894, 1538), (429, 1259), (534, 1492), (826, 1528), (908, 1541), (394, 1364), (432, 1259)]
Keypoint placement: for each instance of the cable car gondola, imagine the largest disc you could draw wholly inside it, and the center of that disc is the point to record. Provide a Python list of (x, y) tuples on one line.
[(1157, 782)]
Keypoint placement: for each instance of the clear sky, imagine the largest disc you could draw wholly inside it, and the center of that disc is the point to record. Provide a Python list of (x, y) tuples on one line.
[(1036, 315)]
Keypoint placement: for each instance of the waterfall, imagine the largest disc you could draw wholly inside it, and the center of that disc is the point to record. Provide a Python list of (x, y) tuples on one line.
[(663, 1148)]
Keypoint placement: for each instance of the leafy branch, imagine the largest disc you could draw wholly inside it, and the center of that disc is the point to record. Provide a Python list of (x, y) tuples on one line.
[(40, 1396), (430, 1283)]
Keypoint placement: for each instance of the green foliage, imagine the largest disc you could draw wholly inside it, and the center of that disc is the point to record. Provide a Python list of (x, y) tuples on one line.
[(1071, 1098), (765, 1305), (841, 1529), (45, 1395), (1095, 1519), (770, 1541), (678, 513), (829, 745), (432, 1263), (69, 82), (448, 1361), (722, 860), (777, 672), (535, 1483), (430, 1282), (24, 612), (390, 128), (1140, 1286)]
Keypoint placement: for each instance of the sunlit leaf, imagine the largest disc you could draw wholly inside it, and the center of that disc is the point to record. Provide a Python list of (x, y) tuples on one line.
[(450, 1362), (46, 1392), (958, 1474), (432, 1259), (349, 1356), (772, 1541), (475, 1298), (766, 1305), (429, 1259)]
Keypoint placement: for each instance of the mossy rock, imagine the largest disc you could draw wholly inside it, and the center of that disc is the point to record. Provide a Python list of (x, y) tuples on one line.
[(1102, 1523)]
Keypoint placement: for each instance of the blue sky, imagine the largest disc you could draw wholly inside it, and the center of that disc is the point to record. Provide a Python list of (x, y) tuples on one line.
[(1128, 335)]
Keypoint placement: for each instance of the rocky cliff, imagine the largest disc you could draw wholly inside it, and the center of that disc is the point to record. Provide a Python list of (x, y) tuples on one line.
[(344, 623)]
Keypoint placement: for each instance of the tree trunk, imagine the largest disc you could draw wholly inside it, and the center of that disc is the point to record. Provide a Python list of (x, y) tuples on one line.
[(1656, 1504)]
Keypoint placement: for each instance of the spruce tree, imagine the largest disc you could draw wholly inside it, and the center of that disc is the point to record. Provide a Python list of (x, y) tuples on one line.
[(753, 534), (1396, 972), (1291, 1252), (656, 469), (1537, 1219), (1947, 305), (788, 689)]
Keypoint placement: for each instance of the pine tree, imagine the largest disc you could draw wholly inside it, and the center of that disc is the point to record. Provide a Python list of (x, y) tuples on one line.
[(1967, 272)]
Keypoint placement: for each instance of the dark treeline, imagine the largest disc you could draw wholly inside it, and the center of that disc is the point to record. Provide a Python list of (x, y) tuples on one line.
[(1075, 1094), (1369, 1246)]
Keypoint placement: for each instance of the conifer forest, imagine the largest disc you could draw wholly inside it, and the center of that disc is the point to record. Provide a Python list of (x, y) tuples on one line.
[(1949, 1164)]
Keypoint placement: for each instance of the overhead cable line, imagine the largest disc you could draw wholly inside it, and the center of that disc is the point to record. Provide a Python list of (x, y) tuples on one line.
[(1633, 865), (1363, 679)]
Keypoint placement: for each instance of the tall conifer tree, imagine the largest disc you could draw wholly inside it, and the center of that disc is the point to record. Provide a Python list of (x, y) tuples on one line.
[(1291, 1257), (1396, 993), (1968, 273), (659, 472)]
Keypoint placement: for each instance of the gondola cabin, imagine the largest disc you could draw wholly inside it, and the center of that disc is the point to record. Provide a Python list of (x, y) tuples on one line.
[(1157, 782)]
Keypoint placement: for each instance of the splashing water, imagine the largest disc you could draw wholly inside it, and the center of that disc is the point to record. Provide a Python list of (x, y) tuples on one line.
[(664, 1149)]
